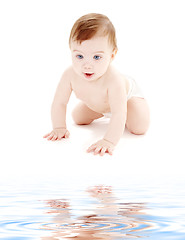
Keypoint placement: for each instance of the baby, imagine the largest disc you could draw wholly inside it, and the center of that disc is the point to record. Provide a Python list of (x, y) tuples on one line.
[(102, 89)]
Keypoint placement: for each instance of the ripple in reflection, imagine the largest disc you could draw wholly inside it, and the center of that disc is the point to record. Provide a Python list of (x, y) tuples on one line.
[(105, 218)]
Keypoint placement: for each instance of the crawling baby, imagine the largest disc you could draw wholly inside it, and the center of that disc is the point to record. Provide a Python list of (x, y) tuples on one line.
[(102, 89)]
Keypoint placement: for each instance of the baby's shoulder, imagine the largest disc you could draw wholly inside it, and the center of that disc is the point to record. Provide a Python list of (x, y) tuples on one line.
[(117, 78), (68, 72), (118, 81), (67, 75)]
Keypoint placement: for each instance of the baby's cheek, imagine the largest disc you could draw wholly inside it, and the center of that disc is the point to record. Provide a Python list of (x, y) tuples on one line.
[(102, 68), (76, 66)]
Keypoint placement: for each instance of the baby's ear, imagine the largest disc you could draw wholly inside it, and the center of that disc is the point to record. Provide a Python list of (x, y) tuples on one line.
[(114, 52)]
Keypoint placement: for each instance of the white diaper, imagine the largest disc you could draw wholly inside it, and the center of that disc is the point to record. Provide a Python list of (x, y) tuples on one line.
[(134, 91), (107, 115)]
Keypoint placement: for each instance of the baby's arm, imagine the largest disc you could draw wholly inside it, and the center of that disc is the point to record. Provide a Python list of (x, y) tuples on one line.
[(58, 110), (118, 104)]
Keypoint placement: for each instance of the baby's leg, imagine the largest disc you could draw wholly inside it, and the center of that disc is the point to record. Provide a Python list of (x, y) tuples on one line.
[(138, 117), (83, 115)]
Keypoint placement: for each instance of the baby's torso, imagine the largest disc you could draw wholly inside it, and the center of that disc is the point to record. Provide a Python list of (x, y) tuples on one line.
[(95, 94)]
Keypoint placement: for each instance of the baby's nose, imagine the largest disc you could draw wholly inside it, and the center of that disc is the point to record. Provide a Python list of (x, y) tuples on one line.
[(88, 66)]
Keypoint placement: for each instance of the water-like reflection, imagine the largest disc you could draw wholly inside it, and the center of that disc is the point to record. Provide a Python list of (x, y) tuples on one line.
[(124, 211), (106, 219)]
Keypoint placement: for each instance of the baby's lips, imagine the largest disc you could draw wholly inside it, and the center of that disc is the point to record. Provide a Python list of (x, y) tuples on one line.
[(88, 74)]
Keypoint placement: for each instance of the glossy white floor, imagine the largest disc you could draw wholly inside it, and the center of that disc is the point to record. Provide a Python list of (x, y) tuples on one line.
[(34, 53)]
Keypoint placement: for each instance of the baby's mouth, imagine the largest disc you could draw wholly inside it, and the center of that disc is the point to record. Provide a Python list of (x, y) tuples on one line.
[(88, 75)]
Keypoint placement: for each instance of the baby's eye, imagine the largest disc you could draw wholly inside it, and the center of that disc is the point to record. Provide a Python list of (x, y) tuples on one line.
[(79, 56), (96, 57)]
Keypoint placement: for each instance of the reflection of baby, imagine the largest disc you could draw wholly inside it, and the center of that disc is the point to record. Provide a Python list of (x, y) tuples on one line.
[(107, 215), (61, 207), (101, 88)]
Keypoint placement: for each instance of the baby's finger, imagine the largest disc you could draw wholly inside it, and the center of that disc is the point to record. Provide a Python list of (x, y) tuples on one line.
[(50, 136), (54, 138), (60, 137), (110, 151), (67, 134), (91, 148), (46, 135), (97, 150), (103, 150)]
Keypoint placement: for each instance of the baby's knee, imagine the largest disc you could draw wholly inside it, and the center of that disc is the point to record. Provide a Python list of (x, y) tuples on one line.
[(79, 119), (138, 127), (138, 130), (75, 116)]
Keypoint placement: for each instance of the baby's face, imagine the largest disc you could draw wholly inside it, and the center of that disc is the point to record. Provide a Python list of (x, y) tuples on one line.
[(92, 57)]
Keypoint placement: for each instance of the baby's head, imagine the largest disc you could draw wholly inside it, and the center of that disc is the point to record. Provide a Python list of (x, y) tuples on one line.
[(93, 46), (91, 25)]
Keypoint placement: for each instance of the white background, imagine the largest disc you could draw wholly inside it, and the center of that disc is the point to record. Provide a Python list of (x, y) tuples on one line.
[(33, 54)]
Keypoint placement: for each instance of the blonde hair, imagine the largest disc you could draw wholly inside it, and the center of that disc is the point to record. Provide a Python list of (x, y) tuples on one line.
[(87, 26)]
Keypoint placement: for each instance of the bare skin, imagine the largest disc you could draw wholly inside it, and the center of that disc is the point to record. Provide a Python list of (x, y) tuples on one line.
[(101, 89)]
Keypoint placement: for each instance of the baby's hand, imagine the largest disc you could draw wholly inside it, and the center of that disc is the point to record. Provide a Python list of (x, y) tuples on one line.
[(57, 134), (101, 147), (96, 191)]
